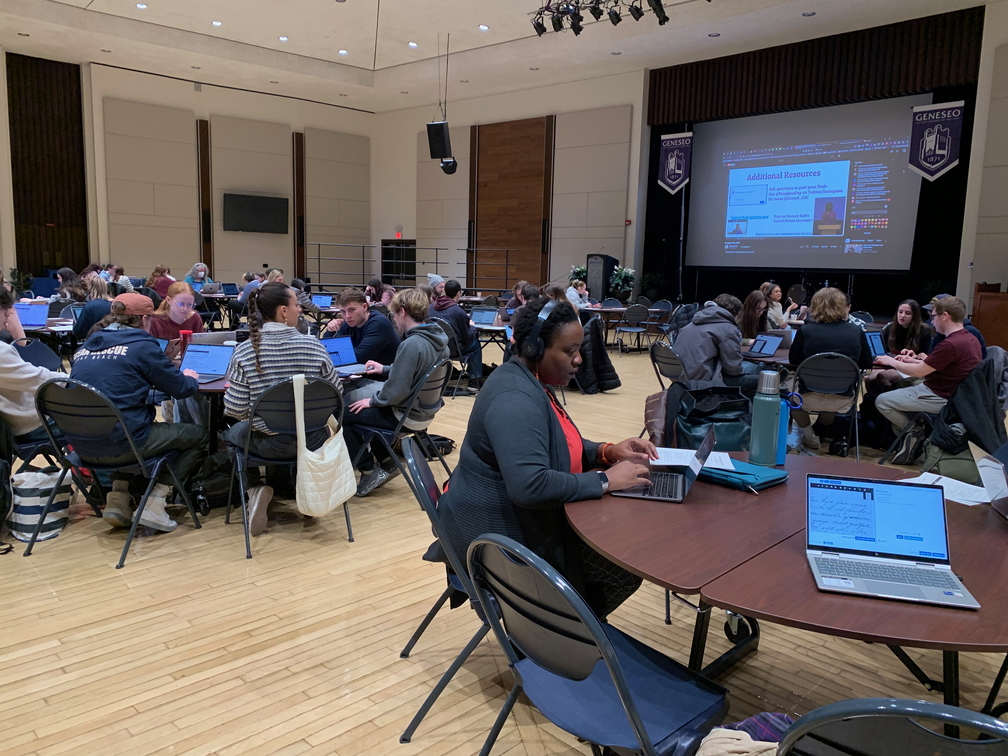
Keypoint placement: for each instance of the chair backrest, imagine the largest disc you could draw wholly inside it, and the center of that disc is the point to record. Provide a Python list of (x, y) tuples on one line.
[(490, 300), (882, 726), (148, 292), (592, 301), (115, 289), (379, 308), (611, 302), (644, 301), (635, 314), (534, 612), (275, 406), (82, 414), (829, 373), (67, 313), (429, 394), (427, 493), (666, 363), (662, 304), (454, 350), (199, 302), (867, 317), (34, 352)]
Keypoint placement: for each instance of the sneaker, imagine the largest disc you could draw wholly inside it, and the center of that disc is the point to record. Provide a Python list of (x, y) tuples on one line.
[(117, 509), (258, 502), (910, 448), (810, 442), (154, 515), (391, 468), (371, 480)]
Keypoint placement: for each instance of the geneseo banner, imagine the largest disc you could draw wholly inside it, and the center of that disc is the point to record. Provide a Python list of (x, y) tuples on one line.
[(934, 141), (676, 151)]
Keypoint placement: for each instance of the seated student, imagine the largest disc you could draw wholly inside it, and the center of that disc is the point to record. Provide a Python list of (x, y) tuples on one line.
[(106, 271), (422, 346), (89, 272), (710, 346), (274, 352), (10, 324), (119, 276), (752, 320), (850, 318), (516, 300), (514, 478), (428, 291), (447, 308), (275, 275), (99, 305), (827, 330), (71, 288), (176, 313), (967, 324), (198, 273), (124, 362), (250, 282), (304, 301), (19, 380), (906, 334), (951, 360), (526, 293), (776, 315), (436, 282), (159, 280), (577, 293), (380, 293), (555, 291), (371, 333)]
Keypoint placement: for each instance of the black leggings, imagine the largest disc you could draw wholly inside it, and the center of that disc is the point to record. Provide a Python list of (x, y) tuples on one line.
[(607, 585)]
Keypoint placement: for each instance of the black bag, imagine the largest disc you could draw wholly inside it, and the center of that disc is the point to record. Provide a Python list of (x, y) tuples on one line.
[(212, 483), (693, 411), (444, 445)]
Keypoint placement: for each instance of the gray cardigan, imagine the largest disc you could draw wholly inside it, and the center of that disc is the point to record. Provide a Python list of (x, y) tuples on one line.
[(511, 477)]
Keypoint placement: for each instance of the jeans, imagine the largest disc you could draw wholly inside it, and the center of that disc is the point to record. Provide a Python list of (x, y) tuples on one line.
[(473, 357), (281, 447), (373, 417), (187, 439), (895, 405)]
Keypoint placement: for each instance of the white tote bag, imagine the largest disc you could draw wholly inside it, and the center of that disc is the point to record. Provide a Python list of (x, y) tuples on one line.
[(325, 477), (31, 492)]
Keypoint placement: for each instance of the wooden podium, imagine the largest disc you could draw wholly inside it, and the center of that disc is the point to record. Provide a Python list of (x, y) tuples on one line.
[(990, 313)]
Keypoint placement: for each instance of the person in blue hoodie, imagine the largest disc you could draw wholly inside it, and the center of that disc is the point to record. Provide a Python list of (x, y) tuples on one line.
[(447, 308), (371, 333), (124, 362)]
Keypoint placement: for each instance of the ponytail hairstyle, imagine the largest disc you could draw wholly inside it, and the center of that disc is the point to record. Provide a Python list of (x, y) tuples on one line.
[(179, 287), (263, 304), (118, 315)]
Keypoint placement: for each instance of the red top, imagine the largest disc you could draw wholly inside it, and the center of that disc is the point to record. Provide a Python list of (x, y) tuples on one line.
[(953, 359), (163, 327), (575, 445)]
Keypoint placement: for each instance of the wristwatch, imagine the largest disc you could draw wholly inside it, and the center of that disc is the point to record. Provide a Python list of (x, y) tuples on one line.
[(605, 481)]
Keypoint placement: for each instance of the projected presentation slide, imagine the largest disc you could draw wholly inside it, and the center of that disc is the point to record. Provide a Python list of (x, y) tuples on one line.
[(824, 188)]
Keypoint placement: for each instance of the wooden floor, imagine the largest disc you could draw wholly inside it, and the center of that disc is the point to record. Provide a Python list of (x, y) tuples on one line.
[(192, 649)]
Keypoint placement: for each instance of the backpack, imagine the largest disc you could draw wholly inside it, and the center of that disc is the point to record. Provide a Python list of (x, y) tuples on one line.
[(911, 446), (212, 483), (444, 444), (959, 466)]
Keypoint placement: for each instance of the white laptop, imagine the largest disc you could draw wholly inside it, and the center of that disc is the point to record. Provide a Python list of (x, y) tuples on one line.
[(32, 315), (214, 337), (673, 483), (209, 360), (341, 352), (994, 477), (484, 317), (883, 539), (764, 345), (210, 289), (786, 334)]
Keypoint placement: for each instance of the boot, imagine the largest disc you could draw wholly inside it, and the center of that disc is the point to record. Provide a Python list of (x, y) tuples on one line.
[(154, 515), (117, 505)]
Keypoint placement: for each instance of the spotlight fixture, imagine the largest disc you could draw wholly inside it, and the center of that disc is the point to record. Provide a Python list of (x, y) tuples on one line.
[(538, 25), (714, 34), (24, 34), (808, 14), (142, 6), (557, 21), (575, 23), (614, 15), (659, 11), (596, 10), (449, 165), (195, 68), (341, 94), (637, 12)]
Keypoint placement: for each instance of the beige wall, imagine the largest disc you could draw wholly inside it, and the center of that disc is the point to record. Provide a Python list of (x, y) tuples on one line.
[(442, 208), (591, 166), (250, 157), (151, 183), (8, 256), (337, 204)]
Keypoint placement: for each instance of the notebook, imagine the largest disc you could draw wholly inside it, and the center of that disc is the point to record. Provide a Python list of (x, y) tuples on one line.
[(230, 289), (678, 473), (32, 315), (323, 301), (875, 343), (884, 539), (763, 345), (341, 352), (209, 360)]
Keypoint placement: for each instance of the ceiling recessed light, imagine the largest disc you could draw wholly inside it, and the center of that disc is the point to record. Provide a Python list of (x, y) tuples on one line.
[(195, 68), (484, 27), (106, 51), (808, 14), (342, 95), (274, 81), (404, 92), (533, 69), (463, 81), (216, 23), (714, 34), (617, 52), (412, 44), (23, 34), (282, 38), (142, 6), (342, 52), (340, 1)]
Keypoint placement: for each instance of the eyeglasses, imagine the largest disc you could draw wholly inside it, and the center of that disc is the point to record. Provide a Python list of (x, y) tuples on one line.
[(183, 305)]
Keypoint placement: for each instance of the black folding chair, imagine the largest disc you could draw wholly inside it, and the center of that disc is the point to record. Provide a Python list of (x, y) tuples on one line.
[(454, 351), (427, 492), (836, 374), (85, 417), (490, 300), (72, 311), (151, 294), (638, 699), (207, 315), (428, 395), (867, 317), (275, 407), (883, 726), (666, 363), (633, 322), (34, 352)]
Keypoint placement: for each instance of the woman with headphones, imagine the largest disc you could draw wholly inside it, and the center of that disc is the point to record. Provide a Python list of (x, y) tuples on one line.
[(523, 459)]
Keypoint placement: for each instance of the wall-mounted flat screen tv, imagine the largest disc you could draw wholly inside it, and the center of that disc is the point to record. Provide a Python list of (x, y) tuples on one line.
[(262, 215)]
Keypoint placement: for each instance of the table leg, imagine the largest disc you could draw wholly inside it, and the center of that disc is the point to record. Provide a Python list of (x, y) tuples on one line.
[(700, 637), (950, 673), (214, 420)]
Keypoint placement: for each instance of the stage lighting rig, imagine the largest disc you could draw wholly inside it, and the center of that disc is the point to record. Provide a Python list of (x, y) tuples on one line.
[(564, 13), (596, 10), (636, 11), (659, 11), (538, 25)]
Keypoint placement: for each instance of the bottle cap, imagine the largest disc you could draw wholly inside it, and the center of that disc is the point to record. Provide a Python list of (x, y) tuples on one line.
[(769, 382)]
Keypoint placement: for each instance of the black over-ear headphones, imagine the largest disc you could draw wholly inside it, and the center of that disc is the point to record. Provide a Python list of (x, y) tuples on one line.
[(532, 347)]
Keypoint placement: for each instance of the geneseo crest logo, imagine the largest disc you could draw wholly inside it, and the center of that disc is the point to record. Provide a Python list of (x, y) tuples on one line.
[(934, 149), (934, 139), (674, 168)]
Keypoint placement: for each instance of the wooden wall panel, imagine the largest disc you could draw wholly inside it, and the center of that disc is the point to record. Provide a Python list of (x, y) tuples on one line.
[(906, 58), (47, 164), (512, 201)]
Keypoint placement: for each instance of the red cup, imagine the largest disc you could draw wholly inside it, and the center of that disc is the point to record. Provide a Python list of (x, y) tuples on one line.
[(184, 338)]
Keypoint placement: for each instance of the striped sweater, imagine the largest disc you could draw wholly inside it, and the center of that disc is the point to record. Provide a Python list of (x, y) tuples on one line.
[(283, 352)]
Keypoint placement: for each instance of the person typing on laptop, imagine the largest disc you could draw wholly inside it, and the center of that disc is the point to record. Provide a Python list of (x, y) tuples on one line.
[(372, 334), (274, 352), (124, 362)]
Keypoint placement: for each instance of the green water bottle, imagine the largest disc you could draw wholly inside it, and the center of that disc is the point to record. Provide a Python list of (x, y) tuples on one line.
[(766, 419)]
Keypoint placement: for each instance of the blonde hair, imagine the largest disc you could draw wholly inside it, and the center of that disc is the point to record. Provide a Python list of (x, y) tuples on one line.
[(828, 305), (577, 283), (411, 301), (97, 288), (179, 287), (954, 306), (274, 276)]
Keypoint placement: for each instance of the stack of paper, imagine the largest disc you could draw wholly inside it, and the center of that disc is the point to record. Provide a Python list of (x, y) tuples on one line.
[(669, 457), (955, 490)]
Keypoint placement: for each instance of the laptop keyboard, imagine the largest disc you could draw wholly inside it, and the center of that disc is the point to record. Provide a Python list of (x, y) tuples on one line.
[(664, 486), (889, 573)]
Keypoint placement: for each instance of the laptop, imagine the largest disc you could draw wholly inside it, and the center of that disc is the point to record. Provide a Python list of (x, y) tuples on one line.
[(32, 315), (341, 352), (763, 345), (197, 286), (230, 289), (210, 288), (209, 360), (786, 334), (875, 343), (483, 317), (324, 301), (672, 484), (505, 313), (994, 477), (883, 539), (214, 337), (163, 343)]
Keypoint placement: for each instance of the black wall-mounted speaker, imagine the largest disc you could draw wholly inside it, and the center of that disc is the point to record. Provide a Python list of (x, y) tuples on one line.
[(438, 140)]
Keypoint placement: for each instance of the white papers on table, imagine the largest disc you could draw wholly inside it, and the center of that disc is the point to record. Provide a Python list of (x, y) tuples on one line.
[(954, 489), (719, 461), (668, 457)]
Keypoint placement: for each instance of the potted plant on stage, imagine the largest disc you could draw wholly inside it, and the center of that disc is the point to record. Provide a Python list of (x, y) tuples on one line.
[(578, 273), (21, 281), (621, 283), (651, 285)]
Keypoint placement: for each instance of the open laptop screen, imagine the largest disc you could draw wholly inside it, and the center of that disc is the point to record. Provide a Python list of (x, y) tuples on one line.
[(876, 518), (32, 315), (207, 359), (341, 350), (322, 300), (231, 289), (766, 345), (483, 317), (875, 343)]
